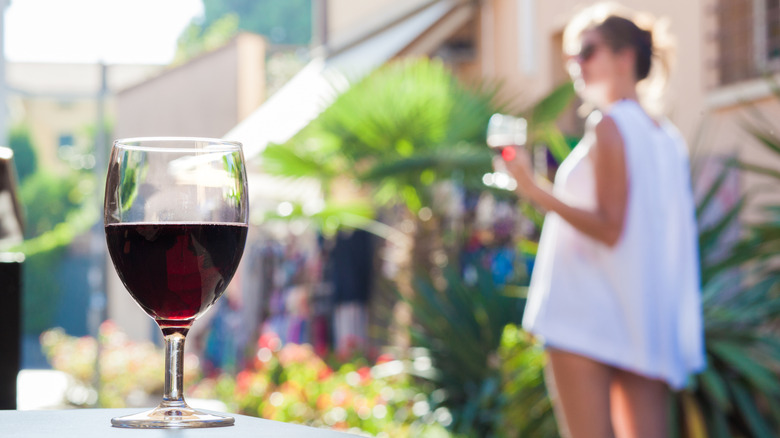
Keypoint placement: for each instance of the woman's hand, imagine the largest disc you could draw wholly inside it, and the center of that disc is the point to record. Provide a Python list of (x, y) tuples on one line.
[(518, 165)]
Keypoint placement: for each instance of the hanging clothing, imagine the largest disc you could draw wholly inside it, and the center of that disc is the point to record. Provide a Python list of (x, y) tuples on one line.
[(636, 305), (352, 261), (350, 269)]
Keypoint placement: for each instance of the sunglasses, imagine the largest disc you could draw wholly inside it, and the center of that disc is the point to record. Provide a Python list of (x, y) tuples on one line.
[(587, 51)]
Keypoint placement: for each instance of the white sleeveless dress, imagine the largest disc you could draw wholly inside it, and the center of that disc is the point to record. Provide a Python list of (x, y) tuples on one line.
[(636, 305)]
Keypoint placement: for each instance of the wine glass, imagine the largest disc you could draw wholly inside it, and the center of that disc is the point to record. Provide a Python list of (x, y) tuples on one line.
[(176, 224), (505, 133)]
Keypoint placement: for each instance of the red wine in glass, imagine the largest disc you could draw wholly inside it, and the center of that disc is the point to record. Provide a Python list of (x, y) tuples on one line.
[(505, 149), (175, 271)]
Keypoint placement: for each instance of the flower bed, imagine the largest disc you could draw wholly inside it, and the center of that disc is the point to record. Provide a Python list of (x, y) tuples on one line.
[(288, 383), (292, 383)]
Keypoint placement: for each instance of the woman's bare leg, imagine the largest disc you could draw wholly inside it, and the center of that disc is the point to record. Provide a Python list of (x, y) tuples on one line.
[(640, 406), (580, 392)]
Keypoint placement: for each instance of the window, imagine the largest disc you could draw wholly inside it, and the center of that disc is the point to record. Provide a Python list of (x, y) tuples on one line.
[(65, 104), (748, 39), (736, 34), (772, 33), (65, 140)]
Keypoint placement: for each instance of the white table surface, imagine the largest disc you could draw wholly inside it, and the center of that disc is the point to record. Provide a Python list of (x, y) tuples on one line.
[(96, 423)]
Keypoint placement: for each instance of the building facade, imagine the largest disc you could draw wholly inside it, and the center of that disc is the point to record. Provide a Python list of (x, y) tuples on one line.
[(727, 55), (58, 103)]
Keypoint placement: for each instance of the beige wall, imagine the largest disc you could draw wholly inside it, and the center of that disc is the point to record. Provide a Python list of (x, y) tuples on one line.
[(205, 97), (350, 19)]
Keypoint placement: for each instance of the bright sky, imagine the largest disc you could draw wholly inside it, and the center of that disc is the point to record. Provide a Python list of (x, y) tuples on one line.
[(117, 31)]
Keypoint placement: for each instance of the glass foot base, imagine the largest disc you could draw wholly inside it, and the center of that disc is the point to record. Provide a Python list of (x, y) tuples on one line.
[(172, 418)]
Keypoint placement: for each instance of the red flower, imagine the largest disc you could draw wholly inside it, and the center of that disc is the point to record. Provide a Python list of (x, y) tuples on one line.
[(243, 381), (324, 373), (384, 358), (107, 327), (270, 341), (365, 374)]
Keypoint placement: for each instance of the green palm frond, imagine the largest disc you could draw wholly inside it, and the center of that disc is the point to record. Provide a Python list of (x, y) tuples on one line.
[(462, 327), (758, 168), (542, 117), (334, 215), (739, 391), (549, 109)]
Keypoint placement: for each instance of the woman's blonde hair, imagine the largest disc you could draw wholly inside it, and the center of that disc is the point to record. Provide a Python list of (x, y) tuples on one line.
[(623, 28)]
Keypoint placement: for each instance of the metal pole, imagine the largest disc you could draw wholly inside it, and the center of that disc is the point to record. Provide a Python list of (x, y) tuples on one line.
[(3, 87), (96, 278), (101, 146), (96, 275), (319, 22)]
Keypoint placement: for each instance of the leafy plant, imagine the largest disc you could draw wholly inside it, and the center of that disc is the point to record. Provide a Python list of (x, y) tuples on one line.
[(738, 394), (196, 39), (25, 158), (461, 326), (528, 411), (56, 211), (48, 199), (287, 22)]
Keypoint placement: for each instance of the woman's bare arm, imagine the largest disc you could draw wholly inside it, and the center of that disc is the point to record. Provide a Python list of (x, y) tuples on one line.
[(604, 223)]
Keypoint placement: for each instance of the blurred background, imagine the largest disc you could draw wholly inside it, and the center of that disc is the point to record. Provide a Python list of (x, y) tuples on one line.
[(384, 278)]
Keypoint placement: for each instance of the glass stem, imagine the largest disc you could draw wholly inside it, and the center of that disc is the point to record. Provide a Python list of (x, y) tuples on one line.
[(173, 393)]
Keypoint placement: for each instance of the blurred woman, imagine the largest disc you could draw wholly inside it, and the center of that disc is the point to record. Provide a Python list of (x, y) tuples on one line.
[(615, 292)]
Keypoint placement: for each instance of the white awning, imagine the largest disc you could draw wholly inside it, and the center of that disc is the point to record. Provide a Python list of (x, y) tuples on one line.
[(309, 92)]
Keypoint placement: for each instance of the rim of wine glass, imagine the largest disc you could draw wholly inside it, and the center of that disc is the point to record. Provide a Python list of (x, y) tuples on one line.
[(212, 143)]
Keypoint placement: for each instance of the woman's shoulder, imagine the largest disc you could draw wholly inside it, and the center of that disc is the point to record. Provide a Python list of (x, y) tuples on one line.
[(606, 132), (612, 121)]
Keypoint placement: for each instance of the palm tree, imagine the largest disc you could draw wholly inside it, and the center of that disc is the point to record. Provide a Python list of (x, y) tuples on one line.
[(389, 141)]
